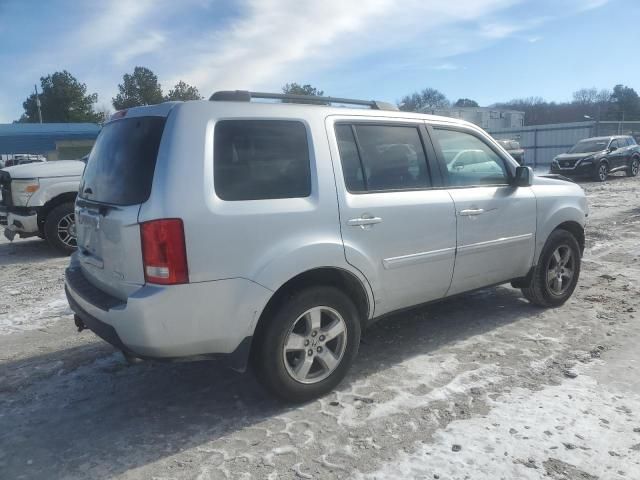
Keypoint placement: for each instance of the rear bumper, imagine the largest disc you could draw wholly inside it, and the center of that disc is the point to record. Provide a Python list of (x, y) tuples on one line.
[(191, 321)]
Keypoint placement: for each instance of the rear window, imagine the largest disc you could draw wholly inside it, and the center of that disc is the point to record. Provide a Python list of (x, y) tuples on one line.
[(261, 159), (121, 164)]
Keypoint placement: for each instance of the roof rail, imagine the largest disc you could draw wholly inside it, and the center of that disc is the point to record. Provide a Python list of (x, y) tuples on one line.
[(246, 96)]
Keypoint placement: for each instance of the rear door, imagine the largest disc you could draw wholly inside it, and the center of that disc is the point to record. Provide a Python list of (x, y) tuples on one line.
[(397, 228), (496, 222), (616, 158), (116, 181)]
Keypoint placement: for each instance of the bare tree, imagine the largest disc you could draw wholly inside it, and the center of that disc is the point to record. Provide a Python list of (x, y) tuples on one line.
[(425, 100)]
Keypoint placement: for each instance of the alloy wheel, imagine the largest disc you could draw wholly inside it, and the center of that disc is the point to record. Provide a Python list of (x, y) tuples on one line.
[(602, 172), (67, 230), (635, 167), (560, 270), (315, 345)]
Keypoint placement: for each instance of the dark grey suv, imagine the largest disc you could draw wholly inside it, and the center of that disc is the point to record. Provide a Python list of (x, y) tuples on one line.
[(597, 157)]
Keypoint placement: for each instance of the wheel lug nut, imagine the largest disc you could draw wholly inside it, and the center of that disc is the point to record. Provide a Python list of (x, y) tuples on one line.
[(306, 343), (310, 352), (319, 349), (314, 333), (322, 338)]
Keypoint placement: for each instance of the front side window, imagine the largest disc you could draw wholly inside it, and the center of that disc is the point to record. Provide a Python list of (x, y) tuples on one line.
[(261, 159), (469, 160), (382, 157)]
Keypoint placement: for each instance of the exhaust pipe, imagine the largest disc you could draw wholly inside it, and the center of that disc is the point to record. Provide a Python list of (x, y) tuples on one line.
[(79, 323)]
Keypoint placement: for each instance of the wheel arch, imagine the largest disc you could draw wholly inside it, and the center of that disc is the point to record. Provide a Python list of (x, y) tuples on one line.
[(51, 204), (567, 216), (575, 229), (330, 276)]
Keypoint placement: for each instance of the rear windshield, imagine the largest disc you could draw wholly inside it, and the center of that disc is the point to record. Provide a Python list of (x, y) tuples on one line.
[(121, 164)]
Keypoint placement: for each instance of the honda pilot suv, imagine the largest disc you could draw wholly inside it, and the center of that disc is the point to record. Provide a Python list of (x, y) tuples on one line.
[(272, 234)]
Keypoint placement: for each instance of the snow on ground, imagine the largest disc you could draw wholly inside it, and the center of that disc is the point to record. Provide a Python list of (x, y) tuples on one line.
[(474, 371), (35, 316), (577, 426)]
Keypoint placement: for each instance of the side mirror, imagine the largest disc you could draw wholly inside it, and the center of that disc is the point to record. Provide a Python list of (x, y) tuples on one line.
[(612, 149), (524, 176)]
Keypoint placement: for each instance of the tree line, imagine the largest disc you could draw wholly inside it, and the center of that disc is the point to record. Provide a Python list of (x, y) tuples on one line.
[(620, 103), (65, 99)]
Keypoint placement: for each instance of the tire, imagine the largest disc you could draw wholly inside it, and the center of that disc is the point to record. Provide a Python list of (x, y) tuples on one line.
[(634, 167), (601, 172), (295, 323), (57, 230), (543, 290)]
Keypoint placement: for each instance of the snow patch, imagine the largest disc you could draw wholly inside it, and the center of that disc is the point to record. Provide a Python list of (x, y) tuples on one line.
[(35, 316), (578, 423)]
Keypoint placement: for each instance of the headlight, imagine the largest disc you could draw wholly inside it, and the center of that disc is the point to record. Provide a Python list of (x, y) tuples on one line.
[(586, 160), (22, 190)]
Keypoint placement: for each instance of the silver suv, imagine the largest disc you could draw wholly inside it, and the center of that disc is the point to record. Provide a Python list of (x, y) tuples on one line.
[(273, 233)]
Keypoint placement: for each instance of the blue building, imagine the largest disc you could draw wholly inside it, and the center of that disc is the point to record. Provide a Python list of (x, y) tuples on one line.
[(56, 141)]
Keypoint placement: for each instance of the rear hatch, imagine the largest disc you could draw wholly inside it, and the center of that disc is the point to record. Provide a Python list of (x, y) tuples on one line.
[(116, 181)]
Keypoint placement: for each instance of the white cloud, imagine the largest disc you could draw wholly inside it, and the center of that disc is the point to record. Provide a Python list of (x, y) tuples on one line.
[(264, 43), (445, 66), (279, 37), (148, 43)]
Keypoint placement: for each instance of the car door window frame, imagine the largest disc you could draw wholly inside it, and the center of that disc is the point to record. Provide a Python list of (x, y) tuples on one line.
[(429, 152), (442, 163)]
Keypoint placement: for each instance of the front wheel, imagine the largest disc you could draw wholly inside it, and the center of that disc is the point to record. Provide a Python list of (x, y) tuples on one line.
[(60, 228), (634, 167), (556, 275), (602, 172), (308, 344)]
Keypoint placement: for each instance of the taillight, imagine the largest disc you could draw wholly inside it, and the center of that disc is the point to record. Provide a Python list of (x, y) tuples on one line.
[(164, 255)]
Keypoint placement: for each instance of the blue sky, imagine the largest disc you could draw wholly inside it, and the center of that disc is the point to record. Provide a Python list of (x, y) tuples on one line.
[(488, 50)]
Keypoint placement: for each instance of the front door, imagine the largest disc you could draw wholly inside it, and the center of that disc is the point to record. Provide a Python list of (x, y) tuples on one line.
[(496, 222), (397, 229)]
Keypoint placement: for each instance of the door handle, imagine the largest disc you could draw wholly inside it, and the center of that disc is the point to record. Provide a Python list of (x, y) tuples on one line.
[(471, 211), (364, 221)]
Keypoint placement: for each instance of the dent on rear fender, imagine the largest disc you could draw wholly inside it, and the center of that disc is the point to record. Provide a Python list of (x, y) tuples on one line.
[(278, 269)]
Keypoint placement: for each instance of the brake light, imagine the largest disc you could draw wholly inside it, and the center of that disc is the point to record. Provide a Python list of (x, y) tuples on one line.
[(164, 255), (119, 114)]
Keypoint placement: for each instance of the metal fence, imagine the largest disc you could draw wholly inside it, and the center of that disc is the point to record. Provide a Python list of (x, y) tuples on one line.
[(542, 143)]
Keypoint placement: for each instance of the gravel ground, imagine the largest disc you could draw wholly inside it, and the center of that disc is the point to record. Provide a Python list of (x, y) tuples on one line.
[(483, 386)]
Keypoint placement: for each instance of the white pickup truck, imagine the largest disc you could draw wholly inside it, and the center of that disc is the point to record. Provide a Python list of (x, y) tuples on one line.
[(37, 199)]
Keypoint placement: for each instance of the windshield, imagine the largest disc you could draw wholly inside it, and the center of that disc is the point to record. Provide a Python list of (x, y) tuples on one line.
[(587, 146), (121, 164)]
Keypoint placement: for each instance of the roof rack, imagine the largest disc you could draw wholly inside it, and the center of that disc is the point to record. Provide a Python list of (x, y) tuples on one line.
[(246, 96)]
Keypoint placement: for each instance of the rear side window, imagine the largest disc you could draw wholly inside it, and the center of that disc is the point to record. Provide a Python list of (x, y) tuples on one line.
[(122, 162), (382, 157), (261, 159)]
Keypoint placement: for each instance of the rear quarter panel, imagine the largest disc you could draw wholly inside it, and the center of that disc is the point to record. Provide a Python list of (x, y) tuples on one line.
[(265, 241)]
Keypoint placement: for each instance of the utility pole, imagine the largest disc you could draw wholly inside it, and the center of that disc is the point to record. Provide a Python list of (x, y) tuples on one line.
[(38, 104)]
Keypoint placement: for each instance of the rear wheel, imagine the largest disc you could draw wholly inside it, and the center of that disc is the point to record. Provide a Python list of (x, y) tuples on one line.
[(60, 228), (602, 172), (634, 167), (556, 275), (308, 345)]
